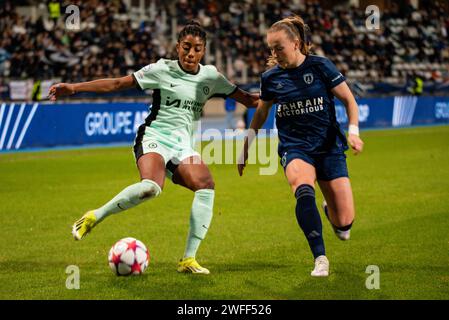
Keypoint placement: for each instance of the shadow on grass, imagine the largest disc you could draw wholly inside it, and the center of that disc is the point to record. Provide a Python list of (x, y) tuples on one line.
[(23, 266), (249, 266)]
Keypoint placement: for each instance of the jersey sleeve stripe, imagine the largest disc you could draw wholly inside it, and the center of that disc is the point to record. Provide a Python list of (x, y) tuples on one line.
[(223, 95), (337, 80)]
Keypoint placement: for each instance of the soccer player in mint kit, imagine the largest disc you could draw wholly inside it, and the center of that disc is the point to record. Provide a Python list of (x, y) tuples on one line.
[(164, 143), (311, 142)]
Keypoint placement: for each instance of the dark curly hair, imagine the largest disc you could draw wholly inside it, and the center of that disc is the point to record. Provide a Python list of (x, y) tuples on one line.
[(192, 28)]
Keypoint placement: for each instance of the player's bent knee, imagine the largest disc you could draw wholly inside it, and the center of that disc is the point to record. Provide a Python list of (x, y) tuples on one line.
[(149, 189), (210, 185), (301, 183), (205, 183), (304, 189), (344, 223)]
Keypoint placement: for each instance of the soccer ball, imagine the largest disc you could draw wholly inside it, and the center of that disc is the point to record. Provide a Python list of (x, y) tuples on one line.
[(128, 256)]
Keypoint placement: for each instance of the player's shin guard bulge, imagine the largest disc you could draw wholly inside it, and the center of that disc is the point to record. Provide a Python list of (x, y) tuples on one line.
[(309, 218), (201, 213), (129, 197), (200, 219)]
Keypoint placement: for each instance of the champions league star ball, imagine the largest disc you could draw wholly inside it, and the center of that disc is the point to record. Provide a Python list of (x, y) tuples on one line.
[(128, 256)]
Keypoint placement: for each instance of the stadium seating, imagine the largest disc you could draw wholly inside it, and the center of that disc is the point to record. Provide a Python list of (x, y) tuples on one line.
[(116, 38)]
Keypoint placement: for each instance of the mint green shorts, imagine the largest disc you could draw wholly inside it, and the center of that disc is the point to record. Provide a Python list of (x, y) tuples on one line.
[(173, 146)]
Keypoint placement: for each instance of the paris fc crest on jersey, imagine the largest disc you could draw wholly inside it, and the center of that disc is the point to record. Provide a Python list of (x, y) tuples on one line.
[(308, 78)]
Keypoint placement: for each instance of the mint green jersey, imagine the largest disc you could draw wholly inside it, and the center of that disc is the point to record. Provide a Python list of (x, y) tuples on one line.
[(179, 97)]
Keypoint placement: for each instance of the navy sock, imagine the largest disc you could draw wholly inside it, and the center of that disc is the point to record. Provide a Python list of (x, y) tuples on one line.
[(309, 218)]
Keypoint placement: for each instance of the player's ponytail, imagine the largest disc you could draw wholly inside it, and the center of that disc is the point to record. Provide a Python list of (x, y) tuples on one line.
[(192, 28), (296, 29), (303, 30)]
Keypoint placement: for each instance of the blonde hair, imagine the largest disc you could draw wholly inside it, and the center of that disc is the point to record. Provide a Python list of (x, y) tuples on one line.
[(296, 29)]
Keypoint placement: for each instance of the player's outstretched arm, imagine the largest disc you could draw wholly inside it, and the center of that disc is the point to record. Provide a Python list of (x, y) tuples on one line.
[(259, 118), (249, 100), (344, 94), (97, 86)]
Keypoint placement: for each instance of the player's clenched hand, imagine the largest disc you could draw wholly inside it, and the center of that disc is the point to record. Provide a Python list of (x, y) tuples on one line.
[(60, 90), (356, 143)]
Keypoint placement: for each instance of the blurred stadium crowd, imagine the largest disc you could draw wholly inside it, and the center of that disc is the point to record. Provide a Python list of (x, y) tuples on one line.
[(117, 37)]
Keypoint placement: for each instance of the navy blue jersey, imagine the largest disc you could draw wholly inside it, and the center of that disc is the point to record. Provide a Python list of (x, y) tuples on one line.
[(305, 109)]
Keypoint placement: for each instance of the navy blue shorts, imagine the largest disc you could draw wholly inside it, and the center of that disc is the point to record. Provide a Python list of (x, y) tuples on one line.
[(328, 166)]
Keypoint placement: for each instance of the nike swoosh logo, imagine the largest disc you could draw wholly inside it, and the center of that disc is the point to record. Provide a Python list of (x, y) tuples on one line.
[(173, 85), (118, 205), (204, 226)]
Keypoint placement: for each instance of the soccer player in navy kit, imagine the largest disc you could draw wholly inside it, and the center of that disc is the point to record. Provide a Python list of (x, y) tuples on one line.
[(311, 142)]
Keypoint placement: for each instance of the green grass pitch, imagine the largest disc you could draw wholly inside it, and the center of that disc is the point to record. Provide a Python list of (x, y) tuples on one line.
[(254, 248)]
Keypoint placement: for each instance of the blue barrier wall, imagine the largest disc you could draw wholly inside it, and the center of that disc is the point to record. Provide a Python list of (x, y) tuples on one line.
[(387, 112), (33, 125), (24, 126)]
